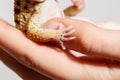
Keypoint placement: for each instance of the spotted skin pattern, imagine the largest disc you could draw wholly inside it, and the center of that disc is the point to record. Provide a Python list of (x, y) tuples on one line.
[(30, 16)]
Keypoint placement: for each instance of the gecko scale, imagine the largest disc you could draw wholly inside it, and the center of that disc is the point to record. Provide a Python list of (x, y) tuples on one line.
[(31, 15)]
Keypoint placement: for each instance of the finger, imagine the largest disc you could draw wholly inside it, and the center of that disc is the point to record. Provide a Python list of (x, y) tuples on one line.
[(16, 42), (18, 68), (43, 59), (48, 60), (10, 39), (38, 57), (92, 40), (27, 52)]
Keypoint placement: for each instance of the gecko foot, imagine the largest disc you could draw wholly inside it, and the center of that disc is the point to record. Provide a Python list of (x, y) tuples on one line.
[(66, 34)]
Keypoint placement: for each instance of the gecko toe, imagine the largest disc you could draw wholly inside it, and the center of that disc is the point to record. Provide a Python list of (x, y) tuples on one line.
[(66, 34), (67, 39), (69, 33)]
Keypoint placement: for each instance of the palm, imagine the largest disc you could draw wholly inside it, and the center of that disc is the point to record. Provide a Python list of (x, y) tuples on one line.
[(49, 59), (54, 61), (82, 67)]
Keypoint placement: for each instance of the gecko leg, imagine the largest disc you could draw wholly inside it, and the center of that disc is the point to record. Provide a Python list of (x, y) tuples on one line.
[(66, 35)]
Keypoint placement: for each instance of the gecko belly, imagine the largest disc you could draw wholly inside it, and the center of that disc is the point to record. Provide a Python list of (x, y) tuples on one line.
[(30, 17)]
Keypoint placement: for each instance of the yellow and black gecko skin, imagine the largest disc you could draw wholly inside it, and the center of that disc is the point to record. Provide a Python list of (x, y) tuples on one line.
[(27, 15)]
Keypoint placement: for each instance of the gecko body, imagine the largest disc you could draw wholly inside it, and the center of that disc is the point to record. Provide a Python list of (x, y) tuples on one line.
[(31, 15)]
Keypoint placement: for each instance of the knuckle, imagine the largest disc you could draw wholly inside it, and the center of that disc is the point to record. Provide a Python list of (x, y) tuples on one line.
[(26, 60)]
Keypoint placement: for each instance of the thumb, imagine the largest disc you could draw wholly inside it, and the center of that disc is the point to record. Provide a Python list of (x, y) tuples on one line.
[(83, 33), (90, 39)]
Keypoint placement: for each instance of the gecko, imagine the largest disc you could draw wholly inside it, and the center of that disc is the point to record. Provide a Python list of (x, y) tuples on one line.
[(31, 15)]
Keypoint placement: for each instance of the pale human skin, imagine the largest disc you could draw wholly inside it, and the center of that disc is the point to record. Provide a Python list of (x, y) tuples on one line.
[(59, 64)]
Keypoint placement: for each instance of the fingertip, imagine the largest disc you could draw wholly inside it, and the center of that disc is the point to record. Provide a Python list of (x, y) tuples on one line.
[(3, 26), (2, 22)]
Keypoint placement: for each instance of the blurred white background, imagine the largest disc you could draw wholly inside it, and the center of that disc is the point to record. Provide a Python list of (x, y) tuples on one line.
[(96, 10)]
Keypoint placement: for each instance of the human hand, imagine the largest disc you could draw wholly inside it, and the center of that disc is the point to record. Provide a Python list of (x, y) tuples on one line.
[(52, 61), (90, 39), (21, 71)]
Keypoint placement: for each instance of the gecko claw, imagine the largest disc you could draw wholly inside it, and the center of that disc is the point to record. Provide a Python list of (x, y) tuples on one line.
[(66, 34), (67, 39)]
